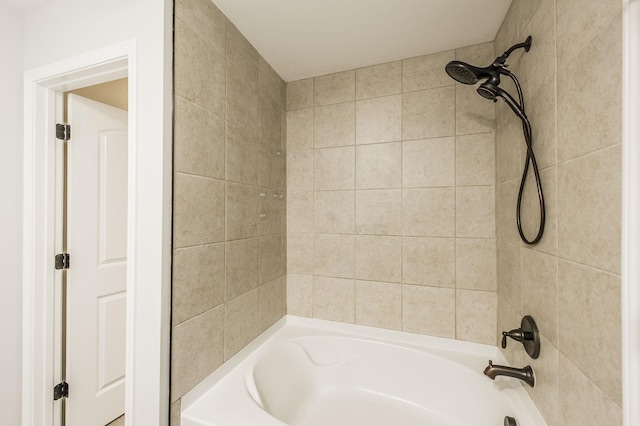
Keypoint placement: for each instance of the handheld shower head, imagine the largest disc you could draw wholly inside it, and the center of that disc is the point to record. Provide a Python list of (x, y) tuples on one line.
[(492, 92)]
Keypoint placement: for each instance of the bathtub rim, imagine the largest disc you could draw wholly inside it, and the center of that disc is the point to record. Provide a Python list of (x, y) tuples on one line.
[(400, 338)]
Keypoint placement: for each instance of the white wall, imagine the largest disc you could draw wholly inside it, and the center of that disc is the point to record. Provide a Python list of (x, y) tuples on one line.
[(11, 46), (68, 28)]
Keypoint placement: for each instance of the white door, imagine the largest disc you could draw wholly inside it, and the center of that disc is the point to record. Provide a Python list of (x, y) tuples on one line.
[(97, 245)]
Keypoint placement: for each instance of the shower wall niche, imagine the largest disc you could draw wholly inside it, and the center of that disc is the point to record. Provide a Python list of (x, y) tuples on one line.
[(391, 198)]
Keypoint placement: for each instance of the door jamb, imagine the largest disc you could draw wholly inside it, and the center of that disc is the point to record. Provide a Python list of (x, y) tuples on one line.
[(42, 88)]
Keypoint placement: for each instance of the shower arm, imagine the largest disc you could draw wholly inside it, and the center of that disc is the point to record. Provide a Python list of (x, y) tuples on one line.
[(526, 45)]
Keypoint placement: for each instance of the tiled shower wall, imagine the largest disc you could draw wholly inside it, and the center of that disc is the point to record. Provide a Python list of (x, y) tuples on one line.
[(391, 205), (229, 195), (570, 281)]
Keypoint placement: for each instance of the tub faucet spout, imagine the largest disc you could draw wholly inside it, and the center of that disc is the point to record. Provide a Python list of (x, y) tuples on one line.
[(525, 374)]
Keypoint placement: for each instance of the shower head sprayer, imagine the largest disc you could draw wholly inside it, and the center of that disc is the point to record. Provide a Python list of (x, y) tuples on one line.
[(468, 74)]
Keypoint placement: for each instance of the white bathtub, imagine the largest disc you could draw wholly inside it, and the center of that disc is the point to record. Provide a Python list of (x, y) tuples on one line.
[(307, 372)]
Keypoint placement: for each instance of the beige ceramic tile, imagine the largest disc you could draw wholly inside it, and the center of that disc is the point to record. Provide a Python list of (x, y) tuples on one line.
[(196, 350), (334, 168), (426, 72), (333, 212), (242, 156), (300, 170), (242, 211), (300, 211), (299, 130), (334, 255), (271, 172), (198, 215), (270, 124), (429, 113), (541, 109), (241, 267), (272, 87), (429, 310), (525, 10), (300, 94), (206, 20), (476, 316), (335, 88), (509, 274), (545, 393), (300, 253), (476, 264), (272, 257), (379, 212), (589, 115), (429, 261), (198, 280), (429, 163), (379, 166), (579, 21), (272, 212), (530, 211), (539, 64), (429, 212), (300, 295), (508, 32), (379, 258), (242, 96), (379, 304), (200, 68), (506, 201), (540, 291), (199, 147), (238, 49), (474, 114), (589, 322), (175, 414), (379, 120), (475, 159), (241, 322), (270, 301), (475, 212), (334, 125), (589, 191), (379, 80), (581, 402), (479, 55), (334, 299), (510, 150)]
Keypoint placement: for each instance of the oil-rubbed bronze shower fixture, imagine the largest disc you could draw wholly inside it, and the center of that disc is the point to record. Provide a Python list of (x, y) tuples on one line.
[(489, 89), (527, 334)]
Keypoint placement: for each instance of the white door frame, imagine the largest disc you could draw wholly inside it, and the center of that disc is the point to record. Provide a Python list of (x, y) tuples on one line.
[(147, 381), (631, 213)]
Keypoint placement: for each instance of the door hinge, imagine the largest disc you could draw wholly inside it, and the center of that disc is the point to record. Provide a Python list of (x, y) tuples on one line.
[(61, 390), (63, 132), (62, 261)]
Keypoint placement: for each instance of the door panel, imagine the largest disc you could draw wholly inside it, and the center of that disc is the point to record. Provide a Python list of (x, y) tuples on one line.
[(97, 244)]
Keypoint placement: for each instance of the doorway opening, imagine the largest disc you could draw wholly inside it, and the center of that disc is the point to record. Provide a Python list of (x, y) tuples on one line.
[(91, 233)]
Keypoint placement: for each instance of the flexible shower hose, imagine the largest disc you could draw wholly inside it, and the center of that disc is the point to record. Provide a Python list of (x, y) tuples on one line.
[(530, 159)]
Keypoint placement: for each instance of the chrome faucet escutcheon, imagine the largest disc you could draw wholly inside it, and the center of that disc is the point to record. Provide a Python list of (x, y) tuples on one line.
[(525, 374)]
